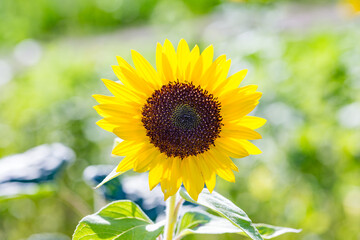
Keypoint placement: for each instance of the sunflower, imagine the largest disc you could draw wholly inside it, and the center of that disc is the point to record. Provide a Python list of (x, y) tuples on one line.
[(355, 5), (182, 122)]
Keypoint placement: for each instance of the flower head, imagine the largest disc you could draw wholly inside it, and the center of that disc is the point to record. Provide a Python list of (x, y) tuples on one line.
[(355, 4), (183, 121)]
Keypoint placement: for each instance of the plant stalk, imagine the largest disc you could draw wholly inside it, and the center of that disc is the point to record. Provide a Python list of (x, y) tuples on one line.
[(171, 217)]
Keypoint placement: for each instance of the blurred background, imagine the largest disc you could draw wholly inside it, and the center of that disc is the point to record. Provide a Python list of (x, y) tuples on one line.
[(304, 55)]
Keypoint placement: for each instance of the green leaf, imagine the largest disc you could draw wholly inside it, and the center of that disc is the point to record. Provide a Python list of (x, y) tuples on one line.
[(120, 220), (269, 231), (192, 219), (109, 177), (113, 173), (200, 222), (226, 209)]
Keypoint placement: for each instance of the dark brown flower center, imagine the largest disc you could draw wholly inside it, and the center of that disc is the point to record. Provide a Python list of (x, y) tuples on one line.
[(182, 120), (185, 117)]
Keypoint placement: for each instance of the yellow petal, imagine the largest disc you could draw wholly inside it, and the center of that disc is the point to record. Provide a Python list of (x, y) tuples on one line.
[(238, 94), (169, 51), (145, 70), (130, 79), (126, 164), (208, 75), (240, 132), (224, 159), (126, 121), (115, 100), (164, 180), (130, 133), (224, 173), (159, 63), (127, 148), (156, 172), (238, 113), (240, 108), (250, 147), (196, 72), (250, 122), (172, 180), (124, 64), (231, 147), (183, 54), (176, 179), (193, 58), (122, 92), (110, 123), (106, 99), (208, 173), (207, 56), (222, 69), (145, 157), (192, 178), (169, 75), (234, 80), (116, 110), (106, 125)]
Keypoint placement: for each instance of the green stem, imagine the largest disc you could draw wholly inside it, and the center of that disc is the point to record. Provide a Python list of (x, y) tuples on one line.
[(171, 217)]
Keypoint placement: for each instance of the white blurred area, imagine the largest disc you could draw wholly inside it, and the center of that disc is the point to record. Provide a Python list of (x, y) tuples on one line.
[(6, 72), (28, 52), (349, 116)]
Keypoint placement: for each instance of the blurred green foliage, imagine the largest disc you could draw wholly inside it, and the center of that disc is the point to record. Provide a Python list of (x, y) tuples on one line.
[(308, 175), (47, 19)]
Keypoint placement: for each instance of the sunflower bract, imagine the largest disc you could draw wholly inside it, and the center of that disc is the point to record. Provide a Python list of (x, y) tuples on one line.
[(183, 121)]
